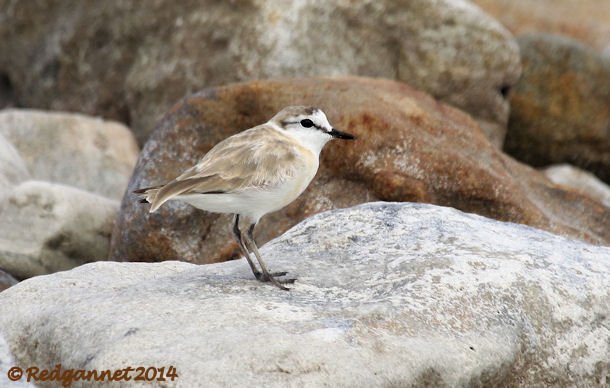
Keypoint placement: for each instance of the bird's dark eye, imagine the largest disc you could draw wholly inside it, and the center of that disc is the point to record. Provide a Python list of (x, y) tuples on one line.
[(307, 123)]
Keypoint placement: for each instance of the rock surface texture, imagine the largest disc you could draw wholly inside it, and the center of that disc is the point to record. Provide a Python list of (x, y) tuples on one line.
[(409, 148), (56, 55), (72, 149), (47, 227), (7, 362), (387, 295), (12, 169), (579, 180), (560, 109)]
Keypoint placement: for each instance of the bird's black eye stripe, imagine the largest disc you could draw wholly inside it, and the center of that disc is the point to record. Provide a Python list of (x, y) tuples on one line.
[(307, 123)]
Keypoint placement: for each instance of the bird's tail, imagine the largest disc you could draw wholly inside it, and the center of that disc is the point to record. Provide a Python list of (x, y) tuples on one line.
[(147, 194), (158, 195)]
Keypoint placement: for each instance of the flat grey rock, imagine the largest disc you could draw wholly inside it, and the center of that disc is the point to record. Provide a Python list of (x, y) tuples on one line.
[(387, 295)]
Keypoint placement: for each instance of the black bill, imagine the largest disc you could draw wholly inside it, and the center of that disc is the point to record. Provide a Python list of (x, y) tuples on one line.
[(341, 135)]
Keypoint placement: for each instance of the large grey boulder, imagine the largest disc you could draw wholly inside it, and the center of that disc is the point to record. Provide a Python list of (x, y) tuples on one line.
[(387, 295), (47, 227), (58, 54), (72, 149)]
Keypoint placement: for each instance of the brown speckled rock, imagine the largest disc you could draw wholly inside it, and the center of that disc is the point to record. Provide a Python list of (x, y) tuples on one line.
[(410, 147), (561, 106), (130, 62)]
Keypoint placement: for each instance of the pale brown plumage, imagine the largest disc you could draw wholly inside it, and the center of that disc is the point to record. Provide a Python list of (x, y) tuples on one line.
[(243, 161)]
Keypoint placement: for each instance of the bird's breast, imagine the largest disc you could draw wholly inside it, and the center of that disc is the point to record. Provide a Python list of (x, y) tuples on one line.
[(302, 178)]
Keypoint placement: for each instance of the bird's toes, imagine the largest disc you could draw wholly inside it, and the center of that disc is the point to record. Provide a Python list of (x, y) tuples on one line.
[(286, 281)]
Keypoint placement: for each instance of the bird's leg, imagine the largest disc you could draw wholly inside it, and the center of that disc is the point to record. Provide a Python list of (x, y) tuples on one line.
[(240, 241), (267, 277)]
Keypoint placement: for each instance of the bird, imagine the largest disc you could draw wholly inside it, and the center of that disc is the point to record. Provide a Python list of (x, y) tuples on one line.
[(254, 172)]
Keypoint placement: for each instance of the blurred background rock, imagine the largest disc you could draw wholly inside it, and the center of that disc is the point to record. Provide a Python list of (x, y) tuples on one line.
[(130, 61)]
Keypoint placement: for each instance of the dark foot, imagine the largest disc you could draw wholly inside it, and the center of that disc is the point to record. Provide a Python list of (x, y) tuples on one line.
[(261, 277), (286, 281)]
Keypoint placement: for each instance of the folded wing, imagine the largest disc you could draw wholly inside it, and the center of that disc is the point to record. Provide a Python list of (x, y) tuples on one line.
[(259, 158)]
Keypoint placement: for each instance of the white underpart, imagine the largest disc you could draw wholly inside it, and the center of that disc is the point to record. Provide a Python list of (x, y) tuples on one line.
[(253, 203)]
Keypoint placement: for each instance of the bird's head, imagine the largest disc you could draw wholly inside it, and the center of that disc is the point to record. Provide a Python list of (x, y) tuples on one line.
[(309, 125)]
